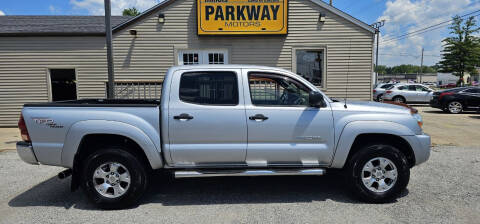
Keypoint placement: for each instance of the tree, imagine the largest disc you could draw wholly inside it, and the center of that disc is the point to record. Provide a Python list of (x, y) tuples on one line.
[(461, 51), (131, 12)]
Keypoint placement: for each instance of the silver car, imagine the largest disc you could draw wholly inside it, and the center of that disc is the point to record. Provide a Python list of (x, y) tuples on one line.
[(408, 93), (380, 89)]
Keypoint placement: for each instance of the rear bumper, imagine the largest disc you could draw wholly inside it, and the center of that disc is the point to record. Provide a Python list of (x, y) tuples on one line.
[(421, 145), (25, 151)]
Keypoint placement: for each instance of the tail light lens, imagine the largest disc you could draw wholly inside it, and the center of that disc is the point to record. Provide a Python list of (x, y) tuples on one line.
[(23, 129), (374, 91), (444, 94), (388, 91)]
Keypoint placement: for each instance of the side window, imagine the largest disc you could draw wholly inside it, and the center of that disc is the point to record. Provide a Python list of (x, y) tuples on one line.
[(475, 90), (402, 88), (412, 88), (211, 88), (277, 90)]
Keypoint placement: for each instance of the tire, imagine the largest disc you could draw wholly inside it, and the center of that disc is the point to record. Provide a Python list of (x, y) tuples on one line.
[(380, 98), (455, 107), (130, 175), (399, 99), (356, 174)]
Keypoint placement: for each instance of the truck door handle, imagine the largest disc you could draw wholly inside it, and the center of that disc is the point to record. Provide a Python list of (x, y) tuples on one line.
[(183, 117), (258, 117)]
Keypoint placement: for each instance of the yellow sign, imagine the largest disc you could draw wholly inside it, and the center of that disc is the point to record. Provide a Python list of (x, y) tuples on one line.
[(235, 17)]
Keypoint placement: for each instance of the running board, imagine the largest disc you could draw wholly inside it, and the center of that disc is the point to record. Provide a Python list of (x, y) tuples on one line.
[(249, 173)]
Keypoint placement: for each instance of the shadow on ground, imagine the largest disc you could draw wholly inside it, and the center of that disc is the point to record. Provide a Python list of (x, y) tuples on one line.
[(202, 191), (442, 112)]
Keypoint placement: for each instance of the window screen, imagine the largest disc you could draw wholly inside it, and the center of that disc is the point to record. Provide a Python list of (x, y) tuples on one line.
[(214, 88), (276, 90)]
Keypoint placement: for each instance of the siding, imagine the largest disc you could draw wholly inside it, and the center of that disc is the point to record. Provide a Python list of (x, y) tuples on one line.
[(24, 60)]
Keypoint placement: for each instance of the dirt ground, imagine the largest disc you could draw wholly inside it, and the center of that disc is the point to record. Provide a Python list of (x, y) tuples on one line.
[(445, 129), (451, 129)]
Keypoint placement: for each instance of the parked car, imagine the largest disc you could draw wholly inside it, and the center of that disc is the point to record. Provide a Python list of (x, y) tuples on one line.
[(224, 120), (457, 100), (408, 93), (379, 90)]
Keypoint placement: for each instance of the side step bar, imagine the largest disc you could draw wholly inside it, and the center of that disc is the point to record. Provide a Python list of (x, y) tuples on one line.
[(244, 173)]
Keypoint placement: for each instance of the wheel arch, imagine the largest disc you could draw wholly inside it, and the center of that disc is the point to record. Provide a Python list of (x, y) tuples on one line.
[(82, 134), (361, 132)]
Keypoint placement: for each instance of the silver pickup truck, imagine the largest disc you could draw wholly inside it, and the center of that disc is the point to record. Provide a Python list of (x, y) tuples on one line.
[(224, 120)]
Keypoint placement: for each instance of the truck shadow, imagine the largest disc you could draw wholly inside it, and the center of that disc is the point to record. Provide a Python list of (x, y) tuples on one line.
[(202, 191)]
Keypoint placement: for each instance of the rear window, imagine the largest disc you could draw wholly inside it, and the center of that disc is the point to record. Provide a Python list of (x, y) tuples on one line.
[(209, 88), (386, 86)]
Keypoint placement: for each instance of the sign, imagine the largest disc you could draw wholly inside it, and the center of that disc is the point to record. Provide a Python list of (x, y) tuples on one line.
[(240, 17)]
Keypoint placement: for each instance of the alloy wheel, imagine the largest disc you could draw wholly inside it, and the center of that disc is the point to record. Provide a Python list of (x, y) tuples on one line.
[(379, 174), (111, 180)]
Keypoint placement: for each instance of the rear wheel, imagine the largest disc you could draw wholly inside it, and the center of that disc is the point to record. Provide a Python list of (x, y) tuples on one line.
[(378, 173), (399, 99), (455, 107), (380, 98), (113, 178)]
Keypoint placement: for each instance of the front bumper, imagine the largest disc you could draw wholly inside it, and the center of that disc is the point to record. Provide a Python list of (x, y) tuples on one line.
[(25, 151), (435, 104), (421, 145)]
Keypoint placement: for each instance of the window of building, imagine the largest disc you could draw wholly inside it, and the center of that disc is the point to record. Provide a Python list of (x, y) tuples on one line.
[(194, 57), (310, 65), (63, 84), (277, 90), (213, 88), (190, 58)]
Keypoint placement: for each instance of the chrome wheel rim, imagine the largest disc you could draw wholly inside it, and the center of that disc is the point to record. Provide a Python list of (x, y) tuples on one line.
[(111, 179), (398, 100), (379, 174), (455, 107)]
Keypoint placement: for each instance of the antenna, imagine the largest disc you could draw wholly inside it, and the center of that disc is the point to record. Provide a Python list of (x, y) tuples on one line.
[(348, 72)]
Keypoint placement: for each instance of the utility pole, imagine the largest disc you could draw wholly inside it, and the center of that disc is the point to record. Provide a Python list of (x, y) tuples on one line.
[(377, 26), (421, 67), (108, 34)]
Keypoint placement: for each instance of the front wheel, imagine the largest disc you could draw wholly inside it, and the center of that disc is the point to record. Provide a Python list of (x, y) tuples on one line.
[(455, 107), (113, 178), (378, 173)]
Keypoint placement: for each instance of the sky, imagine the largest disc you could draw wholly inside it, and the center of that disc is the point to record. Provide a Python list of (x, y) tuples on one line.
[(401, 17)]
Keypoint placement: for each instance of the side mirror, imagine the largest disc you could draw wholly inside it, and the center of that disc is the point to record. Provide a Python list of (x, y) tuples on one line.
[(315, 99)]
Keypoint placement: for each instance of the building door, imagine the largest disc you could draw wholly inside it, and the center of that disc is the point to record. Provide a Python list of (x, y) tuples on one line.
[(63, 84), (198, 57)]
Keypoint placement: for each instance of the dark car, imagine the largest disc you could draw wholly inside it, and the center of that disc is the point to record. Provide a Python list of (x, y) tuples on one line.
[(457, 100)]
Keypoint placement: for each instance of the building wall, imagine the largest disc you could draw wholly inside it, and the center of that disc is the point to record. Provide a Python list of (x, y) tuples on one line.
[(24, 61), (152, 51)]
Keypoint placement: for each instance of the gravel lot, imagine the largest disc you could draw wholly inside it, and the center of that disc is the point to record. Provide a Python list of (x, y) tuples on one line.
[(444, 190)]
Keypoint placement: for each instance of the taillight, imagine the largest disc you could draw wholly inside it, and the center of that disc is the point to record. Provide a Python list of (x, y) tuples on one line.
[(374, 91), (23, 129), (444, 94), (389, 91)]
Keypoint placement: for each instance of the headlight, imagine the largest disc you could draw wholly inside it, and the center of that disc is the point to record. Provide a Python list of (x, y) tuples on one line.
[(418, 118)]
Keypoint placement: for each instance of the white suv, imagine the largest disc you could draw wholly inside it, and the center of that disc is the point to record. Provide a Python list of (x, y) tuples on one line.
[(411, 93)]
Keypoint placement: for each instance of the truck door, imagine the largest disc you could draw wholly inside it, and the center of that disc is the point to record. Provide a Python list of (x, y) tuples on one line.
[(207, 122), (282, 128)]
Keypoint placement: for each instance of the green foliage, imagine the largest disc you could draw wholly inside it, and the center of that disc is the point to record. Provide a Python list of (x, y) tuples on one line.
[(131, 12), (461, 51), (405, 69)]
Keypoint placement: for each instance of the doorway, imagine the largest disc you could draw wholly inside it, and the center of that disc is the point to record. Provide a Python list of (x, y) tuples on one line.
[(63, 84)]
